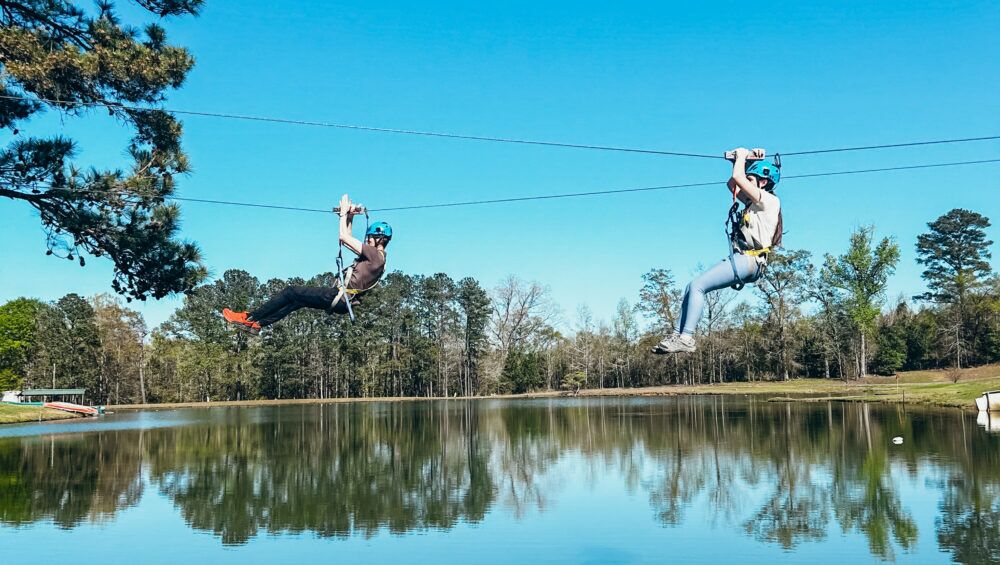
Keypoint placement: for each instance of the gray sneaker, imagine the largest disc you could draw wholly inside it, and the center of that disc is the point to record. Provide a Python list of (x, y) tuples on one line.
[(676, 343)]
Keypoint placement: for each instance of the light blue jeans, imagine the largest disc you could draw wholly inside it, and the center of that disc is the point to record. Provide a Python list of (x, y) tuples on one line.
[(719, 276)]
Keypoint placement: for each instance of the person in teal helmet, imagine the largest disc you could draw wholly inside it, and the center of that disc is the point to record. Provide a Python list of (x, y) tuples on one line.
[(754, 232), (360, 277)]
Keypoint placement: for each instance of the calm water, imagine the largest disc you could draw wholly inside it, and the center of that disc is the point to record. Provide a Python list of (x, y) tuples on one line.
[(597, 480)]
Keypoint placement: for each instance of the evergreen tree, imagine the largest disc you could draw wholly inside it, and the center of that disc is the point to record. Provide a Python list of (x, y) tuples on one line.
[(890, 351), (955, 254), (78, 364), (474, 304), (226, 355), (920, 335), (57, 56)]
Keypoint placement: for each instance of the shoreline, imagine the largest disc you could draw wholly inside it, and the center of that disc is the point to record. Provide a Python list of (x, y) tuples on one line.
[(876, 389), (919, 388)]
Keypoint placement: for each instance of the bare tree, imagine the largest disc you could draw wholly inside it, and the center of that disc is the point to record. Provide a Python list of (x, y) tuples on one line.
[(784, 288), (584, 343), (521, 313), (717, 316)]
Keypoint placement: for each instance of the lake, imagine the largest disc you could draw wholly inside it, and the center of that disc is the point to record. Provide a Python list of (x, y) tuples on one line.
[(682, 479)]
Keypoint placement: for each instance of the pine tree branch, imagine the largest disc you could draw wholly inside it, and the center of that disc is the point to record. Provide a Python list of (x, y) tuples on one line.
[(76, 36), (18, 195)]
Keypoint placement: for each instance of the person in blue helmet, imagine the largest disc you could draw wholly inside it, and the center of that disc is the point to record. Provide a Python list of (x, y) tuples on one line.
[(754, 232), (361, 277)]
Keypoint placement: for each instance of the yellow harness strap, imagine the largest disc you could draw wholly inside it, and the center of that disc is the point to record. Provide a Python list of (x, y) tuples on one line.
[(351, 291)]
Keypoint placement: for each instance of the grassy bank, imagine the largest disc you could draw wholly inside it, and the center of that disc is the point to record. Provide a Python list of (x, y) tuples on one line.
[(928, 388), (12, 414), (931, 388)]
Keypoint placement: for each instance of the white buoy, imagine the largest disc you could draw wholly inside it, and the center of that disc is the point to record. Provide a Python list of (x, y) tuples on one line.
[(897, 440)]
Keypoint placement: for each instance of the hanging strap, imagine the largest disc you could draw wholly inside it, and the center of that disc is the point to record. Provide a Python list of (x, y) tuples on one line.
[(342, 286), (344, 291), (732, 239), (734, 222)]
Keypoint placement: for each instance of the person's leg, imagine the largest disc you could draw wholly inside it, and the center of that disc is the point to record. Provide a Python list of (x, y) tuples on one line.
[(719, 276), (293, 298)]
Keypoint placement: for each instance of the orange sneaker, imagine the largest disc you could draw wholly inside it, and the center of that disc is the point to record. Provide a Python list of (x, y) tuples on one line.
[(239, 319)]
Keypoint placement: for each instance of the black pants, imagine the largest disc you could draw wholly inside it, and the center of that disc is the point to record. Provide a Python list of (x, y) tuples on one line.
[(294, 298)]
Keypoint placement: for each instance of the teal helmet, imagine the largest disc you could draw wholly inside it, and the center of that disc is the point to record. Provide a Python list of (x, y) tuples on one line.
[(379, 229), (765, 169)]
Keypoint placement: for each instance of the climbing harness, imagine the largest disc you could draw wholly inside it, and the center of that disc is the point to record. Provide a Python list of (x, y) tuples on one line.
[(737, 219), (344, 276), (738, 243)]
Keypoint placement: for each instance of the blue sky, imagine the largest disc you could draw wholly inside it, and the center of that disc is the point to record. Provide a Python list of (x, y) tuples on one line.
[(700, 78)]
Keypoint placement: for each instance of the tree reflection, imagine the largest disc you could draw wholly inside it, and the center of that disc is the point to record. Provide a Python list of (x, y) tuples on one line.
[(865, 501), (796, 511), (969, 523), (333, 471), (780, 473), (68, 480)]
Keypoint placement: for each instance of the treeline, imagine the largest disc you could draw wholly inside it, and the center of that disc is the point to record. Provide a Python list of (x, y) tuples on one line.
[(435, 336)]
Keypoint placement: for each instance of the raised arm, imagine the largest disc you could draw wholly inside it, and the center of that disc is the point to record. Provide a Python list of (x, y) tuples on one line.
[(739, 182), (733, 187), (346, 222)]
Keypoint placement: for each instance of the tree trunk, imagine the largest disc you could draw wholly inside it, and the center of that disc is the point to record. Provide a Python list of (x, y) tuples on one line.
[(142, 376), (863, 360), (958, 342)]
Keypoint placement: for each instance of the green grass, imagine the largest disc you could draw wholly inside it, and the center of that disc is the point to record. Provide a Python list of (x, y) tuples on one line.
[(930, 388), (960, 394), (12, 414)]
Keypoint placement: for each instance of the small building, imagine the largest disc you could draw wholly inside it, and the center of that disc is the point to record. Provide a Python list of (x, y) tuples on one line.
[(53, 395)]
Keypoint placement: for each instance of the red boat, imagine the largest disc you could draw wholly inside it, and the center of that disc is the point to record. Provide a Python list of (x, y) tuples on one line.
[(70, 407)]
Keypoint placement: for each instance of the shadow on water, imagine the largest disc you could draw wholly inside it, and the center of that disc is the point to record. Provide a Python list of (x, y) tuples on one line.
[(781, 474)]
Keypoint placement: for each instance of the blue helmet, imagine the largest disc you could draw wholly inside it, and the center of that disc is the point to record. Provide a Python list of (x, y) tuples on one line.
[(765, 169), (379, 229)]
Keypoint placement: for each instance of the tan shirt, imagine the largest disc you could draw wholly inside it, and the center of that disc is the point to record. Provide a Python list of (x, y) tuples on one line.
[(762, 221)]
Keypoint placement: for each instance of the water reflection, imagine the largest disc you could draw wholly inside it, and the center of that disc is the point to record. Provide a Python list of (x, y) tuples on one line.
[(989, 421), (781, 474), (69, 480)]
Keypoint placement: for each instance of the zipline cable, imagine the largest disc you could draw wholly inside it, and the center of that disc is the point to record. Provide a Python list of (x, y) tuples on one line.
[(688, 185), (544, 196), (892, 145), (369, 128), (447, 135)]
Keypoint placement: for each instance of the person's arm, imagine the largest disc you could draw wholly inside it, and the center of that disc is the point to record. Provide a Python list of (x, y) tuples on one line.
[(733, 188), (746, 189), (346, 222)]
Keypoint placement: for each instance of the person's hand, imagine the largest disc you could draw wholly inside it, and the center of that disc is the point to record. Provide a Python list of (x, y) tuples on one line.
[(741, 153), (345, 205)]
